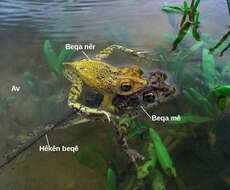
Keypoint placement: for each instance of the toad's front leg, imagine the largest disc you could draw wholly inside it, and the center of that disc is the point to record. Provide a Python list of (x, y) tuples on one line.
[(107, 103), (74, 93)]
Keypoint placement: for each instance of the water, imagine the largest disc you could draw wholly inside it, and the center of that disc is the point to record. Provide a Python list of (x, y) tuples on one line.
[(25, 25)]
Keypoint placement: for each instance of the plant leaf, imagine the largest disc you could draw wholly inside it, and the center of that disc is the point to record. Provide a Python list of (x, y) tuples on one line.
[(11, 99), (196, 47), (195, 33), (163, 62), (185, 7), (158, 180), (168, 37), (201, 99), (190, 119), (208, 64), (88, 161), (96, 151), (143, 171), (187, 95), (109, 143), (1, 109), (228, 2), (222, 90), (162, 154), (195, 6), (125, 37), (182, 33), (33, 84), (222, 102), (111, 180), (65, 56), (51, 56), (136, 132), (125, 121), (172, 10), (152, 154)]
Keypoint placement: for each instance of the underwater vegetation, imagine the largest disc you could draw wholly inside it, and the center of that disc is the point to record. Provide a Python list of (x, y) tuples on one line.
[(149, 175), (112, 37), (44, 107), (220, 43), (96, 159), (193, 14), (5, 112), (111, 180), (221, 94), (5, 102), (181, 65), (56, 61), (193, 20), (5, 116), (228, 3)]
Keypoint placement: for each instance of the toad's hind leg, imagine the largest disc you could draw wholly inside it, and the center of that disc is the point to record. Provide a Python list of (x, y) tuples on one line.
[(109, 50), (74, 93)]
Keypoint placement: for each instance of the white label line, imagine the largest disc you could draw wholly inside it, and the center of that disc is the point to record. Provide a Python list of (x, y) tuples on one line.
[(146, 112), (47, 140), (86, 55)]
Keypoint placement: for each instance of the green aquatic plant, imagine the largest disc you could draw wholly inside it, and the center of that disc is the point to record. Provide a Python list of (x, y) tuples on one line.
[(221, 94), (56, 61), (228, 3), (45, 109), (206, 41), (158, 182), (208, 66), (148, 174), (5, 102), (221, 90), (33, 84), (95, 158), (111, 180), (137, 128), (149, 171), (113, 37), (42, 107), (183, 32), (162, 154), (191, 11), (144, 170), (177, 64), (193, 20), (220, 43)]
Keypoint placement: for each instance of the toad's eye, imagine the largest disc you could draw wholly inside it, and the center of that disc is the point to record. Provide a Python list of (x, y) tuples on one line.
[(126, 86), (149, 97)]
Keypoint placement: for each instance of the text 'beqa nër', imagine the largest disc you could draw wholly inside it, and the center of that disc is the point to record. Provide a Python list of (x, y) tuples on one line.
[(77, 47)]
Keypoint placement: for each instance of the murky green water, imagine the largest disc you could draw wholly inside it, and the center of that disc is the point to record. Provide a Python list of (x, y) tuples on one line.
[(142, 25)]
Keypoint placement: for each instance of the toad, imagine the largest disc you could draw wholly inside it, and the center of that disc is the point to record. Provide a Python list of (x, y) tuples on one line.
[(104, 79)]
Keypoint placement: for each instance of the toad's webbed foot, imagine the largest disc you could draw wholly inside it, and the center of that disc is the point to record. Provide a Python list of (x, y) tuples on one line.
[(109, 50)]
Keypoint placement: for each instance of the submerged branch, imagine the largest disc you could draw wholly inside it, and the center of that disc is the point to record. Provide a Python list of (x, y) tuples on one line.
[(41, 131)]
